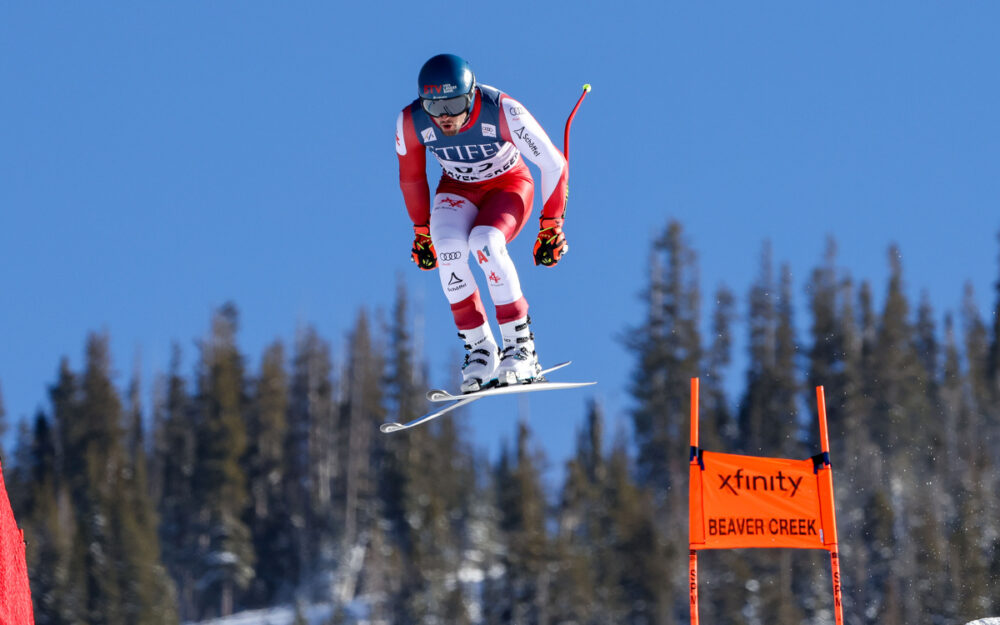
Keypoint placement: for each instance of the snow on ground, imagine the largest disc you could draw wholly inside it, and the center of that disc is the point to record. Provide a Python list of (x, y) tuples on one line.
[(283, 615)]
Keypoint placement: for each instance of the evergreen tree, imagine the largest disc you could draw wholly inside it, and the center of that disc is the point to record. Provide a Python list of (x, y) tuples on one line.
[(926, 346), (175, 457), (398, 456), (48, 530), (718, 428), (827, 342), (98, 450), (105, 570), (770, 421), (400, 521), (264, 465), (361, 413), (614, 568), (783, 402), (311, 460), (902, 420), (768, 411), (147, 594), (645, 551), (883, 605), (579, 596), (668, 350), (521, 596), (426, 481), (59, 521), (897, 367), (993, 357), (225, 557), (833, 343), (982, 341)]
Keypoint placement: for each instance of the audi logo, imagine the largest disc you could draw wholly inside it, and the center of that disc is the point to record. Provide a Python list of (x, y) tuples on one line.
[(450, 255)]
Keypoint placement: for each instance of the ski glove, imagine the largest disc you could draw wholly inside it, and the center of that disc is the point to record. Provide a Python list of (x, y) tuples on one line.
[(551, 243), (423, 249)]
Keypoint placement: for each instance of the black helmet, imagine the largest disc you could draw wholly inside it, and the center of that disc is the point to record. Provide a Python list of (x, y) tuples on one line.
[(446, 85)]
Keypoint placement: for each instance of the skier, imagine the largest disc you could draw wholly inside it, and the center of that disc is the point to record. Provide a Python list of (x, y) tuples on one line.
[(478, 135)]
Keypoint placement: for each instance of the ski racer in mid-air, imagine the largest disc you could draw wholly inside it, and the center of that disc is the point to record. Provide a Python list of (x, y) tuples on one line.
[(478, 135)]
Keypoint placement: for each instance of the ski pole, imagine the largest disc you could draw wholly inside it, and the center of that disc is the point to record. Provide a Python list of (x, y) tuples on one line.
[(586, 90)]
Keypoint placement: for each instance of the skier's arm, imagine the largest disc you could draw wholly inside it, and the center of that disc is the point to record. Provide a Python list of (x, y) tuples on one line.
[(412, 170), (521, 129), (416, 191)]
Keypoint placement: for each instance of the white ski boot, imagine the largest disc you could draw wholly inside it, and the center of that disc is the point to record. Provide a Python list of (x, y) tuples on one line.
[(518, 361), (481, 358)]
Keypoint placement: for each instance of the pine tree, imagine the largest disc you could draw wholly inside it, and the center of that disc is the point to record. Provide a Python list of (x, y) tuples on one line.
[(883, 599), (520, 596), (926, 345), (99, 451), (264, 465), (897, 367), (768, 412), (832, 331), (718, 429), (56, 586), (770, 421), (426, 481), (784, 406), (57, 514), (964, 578), (396, 462), (612, 552), (753, 417), (903, 422), (311, 459), (993, 357), (225, 558), (101, 559), (175, 440), (668, 349), (855, 456), (993, 444), (148, 595), (982, 346), (581, 593), (645, 551), (361, 412)]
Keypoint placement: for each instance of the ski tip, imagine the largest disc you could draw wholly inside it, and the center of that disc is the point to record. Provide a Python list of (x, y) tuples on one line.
[(388, 428)]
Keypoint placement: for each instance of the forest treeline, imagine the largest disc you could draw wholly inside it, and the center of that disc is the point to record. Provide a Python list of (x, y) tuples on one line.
[(238, 488)]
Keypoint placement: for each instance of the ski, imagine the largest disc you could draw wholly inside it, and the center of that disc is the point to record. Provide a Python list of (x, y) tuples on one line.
[(457, 401), (515, 389), (437, 394), (387, 428)]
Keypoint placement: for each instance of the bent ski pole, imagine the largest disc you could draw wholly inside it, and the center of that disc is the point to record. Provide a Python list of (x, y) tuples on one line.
[(586, 90)]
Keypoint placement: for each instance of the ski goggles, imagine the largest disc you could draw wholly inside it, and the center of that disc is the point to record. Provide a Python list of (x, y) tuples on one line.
[(447, 106)]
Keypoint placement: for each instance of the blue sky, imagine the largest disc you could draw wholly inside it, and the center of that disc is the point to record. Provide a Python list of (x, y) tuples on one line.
[(159, 159)]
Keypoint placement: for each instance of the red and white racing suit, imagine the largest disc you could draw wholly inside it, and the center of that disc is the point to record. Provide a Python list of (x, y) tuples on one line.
[(483, 199)]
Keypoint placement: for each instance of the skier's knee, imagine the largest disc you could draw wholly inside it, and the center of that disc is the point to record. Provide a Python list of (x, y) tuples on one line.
[(487, 243), (450, 249)]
